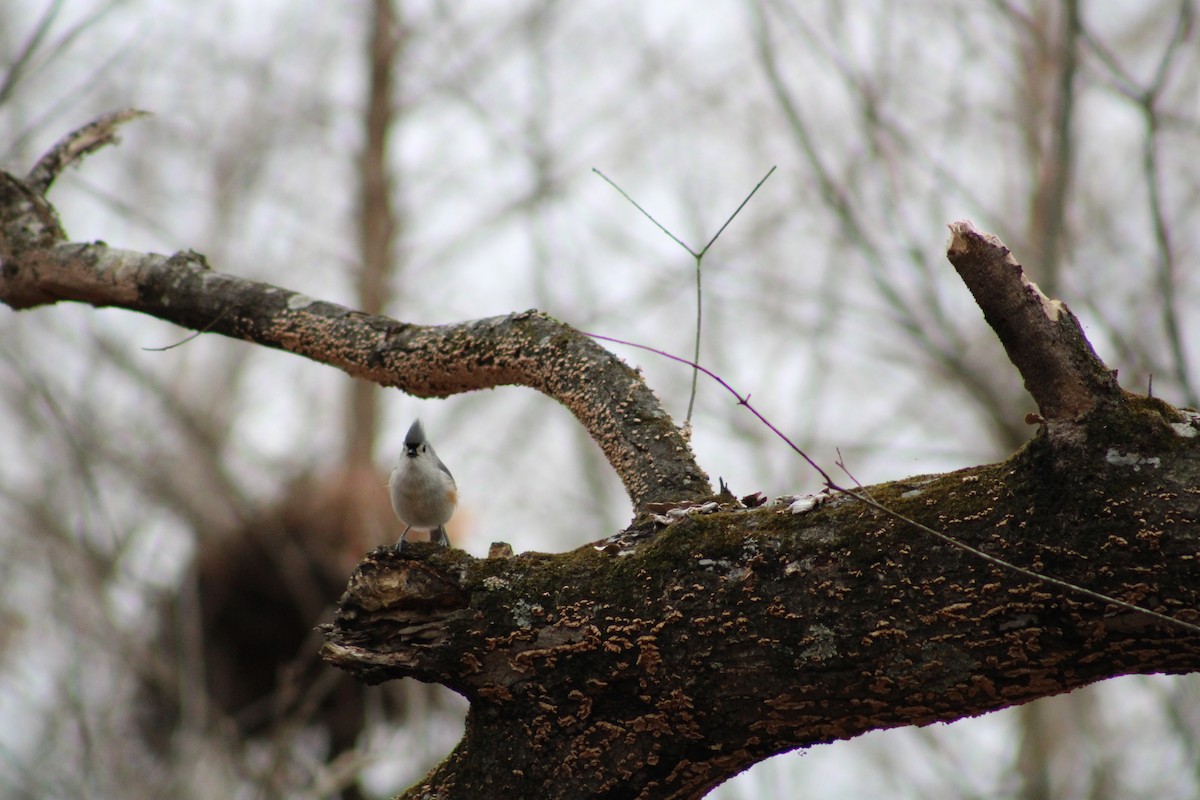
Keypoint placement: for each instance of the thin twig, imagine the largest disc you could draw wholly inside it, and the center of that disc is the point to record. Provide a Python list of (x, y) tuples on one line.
[(187, 339), (841, 464), (646, 213), (696, 349), (866, 500), (18, 65), (736, 211)]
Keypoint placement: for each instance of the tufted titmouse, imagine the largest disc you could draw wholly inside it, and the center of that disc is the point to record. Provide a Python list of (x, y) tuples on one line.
[(423, 490)]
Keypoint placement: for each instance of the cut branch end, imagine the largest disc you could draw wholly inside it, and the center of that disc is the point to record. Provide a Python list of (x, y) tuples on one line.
[(1043, 339)]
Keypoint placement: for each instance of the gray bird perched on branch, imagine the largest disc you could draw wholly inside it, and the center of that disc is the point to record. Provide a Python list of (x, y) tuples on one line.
[(423, 490)]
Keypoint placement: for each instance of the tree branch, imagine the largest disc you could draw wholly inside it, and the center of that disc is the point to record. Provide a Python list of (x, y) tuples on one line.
[(661, 663), (1042, 337), (528, 349), (76, 145)]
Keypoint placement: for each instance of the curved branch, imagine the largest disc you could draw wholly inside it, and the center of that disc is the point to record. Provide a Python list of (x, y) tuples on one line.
[(527, 349), (77, 144)]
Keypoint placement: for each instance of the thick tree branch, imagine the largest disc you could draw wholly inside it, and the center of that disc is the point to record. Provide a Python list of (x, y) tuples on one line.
[(527, 349), (660, 665)]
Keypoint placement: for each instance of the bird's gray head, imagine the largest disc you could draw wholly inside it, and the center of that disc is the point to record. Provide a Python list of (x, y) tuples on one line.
[(414, 439)]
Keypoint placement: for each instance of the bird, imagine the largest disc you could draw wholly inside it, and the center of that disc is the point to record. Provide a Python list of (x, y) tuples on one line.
[(423, 490)]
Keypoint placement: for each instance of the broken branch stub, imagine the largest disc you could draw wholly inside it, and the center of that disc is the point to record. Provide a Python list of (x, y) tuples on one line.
[(1042, 337)]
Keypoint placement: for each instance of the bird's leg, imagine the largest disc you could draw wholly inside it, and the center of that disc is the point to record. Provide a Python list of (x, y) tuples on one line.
[(438, 536), (398, 546)]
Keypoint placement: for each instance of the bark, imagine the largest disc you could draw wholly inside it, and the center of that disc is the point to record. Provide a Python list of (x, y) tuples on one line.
[(661, 661)]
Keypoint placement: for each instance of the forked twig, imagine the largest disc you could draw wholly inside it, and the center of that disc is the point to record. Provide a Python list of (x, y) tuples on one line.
[(699, 257)]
